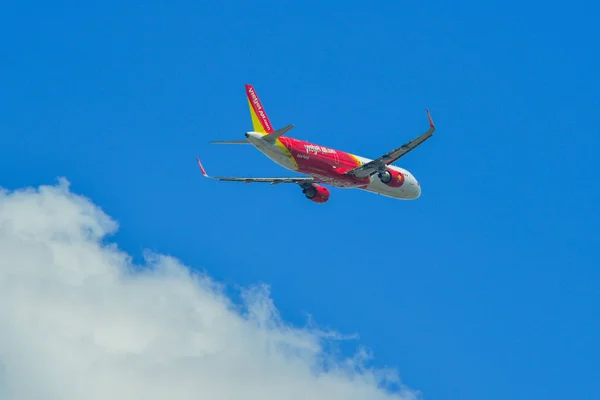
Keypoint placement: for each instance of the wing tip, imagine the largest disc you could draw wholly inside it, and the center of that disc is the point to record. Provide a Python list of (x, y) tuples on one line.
[(431, 124), (201, 167)]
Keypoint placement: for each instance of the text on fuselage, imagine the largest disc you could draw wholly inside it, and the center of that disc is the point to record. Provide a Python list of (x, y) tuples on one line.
[(312, 148)]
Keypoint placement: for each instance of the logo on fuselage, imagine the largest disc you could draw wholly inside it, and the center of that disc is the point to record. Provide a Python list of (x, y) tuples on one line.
[(313, 148)]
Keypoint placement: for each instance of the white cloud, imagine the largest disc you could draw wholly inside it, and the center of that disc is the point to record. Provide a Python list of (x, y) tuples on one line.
[(79, 321)]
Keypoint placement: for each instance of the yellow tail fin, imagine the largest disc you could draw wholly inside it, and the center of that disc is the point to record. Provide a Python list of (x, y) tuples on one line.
[(260, 121)]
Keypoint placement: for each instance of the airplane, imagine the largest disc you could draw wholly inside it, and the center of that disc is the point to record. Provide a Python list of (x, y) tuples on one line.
[(322, 165)]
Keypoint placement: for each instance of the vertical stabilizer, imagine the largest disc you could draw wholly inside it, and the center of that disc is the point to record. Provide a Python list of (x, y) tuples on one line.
[(260, 121)]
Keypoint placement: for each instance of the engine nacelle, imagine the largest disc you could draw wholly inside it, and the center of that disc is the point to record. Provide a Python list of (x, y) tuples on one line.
[(392, 178), (316, 193)]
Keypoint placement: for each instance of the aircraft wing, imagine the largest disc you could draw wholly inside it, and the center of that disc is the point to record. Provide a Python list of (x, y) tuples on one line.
[(374, 166), (302, 181)]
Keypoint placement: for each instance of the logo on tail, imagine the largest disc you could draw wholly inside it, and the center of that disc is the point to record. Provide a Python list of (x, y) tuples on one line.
[(260, 121)]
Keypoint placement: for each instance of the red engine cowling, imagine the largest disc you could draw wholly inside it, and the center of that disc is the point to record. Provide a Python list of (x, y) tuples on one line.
[(392, 178), (316, 193)]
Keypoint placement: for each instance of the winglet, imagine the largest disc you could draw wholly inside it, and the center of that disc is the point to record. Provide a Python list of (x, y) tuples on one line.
[(431, 124), (202, 168)]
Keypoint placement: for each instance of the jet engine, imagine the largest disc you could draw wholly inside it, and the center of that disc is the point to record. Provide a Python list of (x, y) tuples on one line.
[(391, 178), (316, 193)]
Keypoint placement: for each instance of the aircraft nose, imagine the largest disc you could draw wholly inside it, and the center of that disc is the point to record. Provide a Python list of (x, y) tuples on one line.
[(417, 189)]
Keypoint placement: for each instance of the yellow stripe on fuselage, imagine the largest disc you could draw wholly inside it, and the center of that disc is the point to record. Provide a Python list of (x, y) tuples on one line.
[(356, 159), (285, 151)]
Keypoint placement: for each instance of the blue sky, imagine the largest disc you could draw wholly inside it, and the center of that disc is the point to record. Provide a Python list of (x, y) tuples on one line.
[(485, 287)]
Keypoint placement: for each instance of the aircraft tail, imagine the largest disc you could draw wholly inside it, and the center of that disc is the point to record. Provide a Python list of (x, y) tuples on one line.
[(260, 121)]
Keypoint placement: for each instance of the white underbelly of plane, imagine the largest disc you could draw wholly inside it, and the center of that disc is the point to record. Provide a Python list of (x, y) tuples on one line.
[(274, 153)]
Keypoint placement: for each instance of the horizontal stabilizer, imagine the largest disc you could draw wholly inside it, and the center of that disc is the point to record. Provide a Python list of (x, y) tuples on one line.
[(241, 141), (273, 136)]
